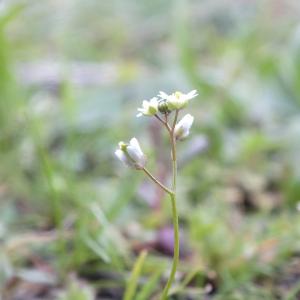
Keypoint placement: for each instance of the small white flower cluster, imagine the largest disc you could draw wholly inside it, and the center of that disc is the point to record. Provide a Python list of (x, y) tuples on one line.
[(178, 100), (175, 101), (131, 154)]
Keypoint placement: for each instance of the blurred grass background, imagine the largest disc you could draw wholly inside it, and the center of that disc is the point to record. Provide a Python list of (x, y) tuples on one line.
[(73, 221)]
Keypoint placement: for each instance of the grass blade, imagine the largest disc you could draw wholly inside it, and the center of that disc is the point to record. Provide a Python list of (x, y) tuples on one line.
[(149, 287), (133, 280)]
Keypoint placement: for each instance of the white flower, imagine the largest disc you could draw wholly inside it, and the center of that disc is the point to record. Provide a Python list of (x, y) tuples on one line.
[(178, 100), (150, 108), (131, 154), (182, 128)]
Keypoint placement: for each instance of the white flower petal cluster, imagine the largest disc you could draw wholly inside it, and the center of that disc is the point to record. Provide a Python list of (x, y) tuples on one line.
[(178, 100), (182, 128), (150, 108), (131, 154)]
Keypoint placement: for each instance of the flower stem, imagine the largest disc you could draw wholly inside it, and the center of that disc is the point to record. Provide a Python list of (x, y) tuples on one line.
[(174, 213), (176, 248), (165, 123), (158, 182)]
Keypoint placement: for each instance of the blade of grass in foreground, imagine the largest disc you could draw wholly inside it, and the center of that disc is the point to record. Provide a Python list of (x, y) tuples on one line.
[(150, 286), (133, 280)]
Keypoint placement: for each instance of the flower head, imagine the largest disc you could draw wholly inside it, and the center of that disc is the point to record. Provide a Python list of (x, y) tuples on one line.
[(150, 108), (178, 100), (131, 154), (182, 128)]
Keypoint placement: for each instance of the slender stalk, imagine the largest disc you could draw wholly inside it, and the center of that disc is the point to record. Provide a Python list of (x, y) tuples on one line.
[(159, 119), (174, 212), (158, 182), (165, 123), (172, 194), (176, 248)]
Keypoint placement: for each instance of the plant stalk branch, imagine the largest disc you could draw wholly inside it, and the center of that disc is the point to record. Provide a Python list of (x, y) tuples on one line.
[(156, 181)]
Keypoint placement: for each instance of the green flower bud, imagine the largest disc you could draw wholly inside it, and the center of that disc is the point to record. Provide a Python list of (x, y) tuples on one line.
[(163, 107)]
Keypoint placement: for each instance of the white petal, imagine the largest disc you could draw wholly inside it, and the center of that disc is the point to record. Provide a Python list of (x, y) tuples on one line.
[(163, 95), (182, 128), (134, 154), (145, 105), (121, 156), (187, 120), (135, 144), (154, 101), (191, 94)]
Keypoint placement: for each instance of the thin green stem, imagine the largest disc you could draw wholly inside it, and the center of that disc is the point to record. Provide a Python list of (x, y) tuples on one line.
[(172, 194), (159, 119), (158, 182), (176, 248), (165, 123), (174, 212)]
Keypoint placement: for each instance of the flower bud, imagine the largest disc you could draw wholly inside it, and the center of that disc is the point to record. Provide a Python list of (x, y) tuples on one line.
[(131, 154), (150, 108), (163, 106), (178, 100), (182, 128)]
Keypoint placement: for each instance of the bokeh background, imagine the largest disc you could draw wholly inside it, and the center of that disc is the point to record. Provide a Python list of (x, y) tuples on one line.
[(73, 220)]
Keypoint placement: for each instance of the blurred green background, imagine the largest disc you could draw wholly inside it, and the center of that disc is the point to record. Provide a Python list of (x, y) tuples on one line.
[(73, 220)]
